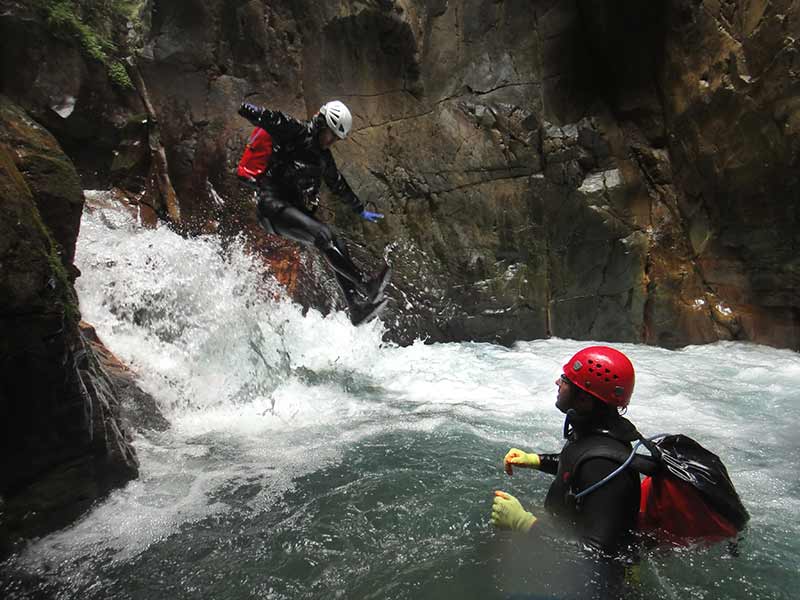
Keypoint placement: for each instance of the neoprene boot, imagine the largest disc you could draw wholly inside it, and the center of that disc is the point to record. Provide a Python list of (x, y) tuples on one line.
[(363, 312), (375, 286)]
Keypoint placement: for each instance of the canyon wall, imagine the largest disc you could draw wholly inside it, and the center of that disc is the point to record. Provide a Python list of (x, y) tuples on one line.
[(623, 171), (63, 440), (619, 171)]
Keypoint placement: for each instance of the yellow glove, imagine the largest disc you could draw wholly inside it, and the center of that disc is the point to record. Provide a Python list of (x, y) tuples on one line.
[(633, 576), (507, 513), (520, 458)]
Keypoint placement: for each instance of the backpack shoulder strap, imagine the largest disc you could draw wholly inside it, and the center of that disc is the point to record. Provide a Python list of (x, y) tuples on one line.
[(614, 451), (645, 465)]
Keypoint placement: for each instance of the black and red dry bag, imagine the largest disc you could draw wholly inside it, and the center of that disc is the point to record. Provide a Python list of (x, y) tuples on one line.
[(690, 497), (686, 494), (255, 158)]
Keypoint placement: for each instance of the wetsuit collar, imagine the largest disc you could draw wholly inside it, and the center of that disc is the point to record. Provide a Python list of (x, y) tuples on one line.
[(577, 425)]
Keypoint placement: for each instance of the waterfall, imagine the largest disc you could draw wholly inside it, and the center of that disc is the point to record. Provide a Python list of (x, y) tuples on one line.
[(306, 458)]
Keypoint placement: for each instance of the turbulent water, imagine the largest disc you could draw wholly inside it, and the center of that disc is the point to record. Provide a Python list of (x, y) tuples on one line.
[(307, 459)]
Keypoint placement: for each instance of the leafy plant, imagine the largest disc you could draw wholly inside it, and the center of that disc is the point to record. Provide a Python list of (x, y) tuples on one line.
[(119, 75), (92, 24)]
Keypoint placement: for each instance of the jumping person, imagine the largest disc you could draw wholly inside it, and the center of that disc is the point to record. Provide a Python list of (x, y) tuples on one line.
[(287, 196), (595, 387)]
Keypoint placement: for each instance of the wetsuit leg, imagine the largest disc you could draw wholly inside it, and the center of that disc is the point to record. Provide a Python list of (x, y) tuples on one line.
[(339, 258), (266, 224), (348, 286), (290, 222)]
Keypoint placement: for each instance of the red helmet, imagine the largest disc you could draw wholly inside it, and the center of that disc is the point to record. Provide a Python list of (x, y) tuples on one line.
[(603, 372)]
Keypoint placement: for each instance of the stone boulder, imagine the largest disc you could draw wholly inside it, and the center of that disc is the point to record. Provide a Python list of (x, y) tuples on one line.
[(63, 442), (49, 70), (139, 411), (50, 175)]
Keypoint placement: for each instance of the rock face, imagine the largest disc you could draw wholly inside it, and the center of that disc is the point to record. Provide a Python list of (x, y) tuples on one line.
[(577, 169), (139, 410), (622, 171), (63, 443), (734, 142)]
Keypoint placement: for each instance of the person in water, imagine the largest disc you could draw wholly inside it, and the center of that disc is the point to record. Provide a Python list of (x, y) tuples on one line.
[(287, 195), (594, 389)]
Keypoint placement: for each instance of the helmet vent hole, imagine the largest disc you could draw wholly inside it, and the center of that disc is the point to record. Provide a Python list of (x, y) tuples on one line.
[(607, 379), (615, 377), (608, 370)]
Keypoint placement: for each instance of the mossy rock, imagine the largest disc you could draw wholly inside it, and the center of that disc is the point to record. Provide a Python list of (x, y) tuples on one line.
[(49, 175), (54, 177), (33, 280), (92, 26), (64, 447), (20, 131)]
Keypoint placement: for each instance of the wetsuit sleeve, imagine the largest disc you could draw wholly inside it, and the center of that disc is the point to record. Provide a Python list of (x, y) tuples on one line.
[(548, 463), (607, 515), (279, 126), (338, 184)]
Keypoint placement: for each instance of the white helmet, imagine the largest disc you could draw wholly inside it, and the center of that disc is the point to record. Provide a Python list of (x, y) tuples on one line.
[(337, 118)]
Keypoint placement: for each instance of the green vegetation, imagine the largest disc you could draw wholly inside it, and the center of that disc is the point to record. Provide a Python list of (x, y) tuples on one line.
[(119, 76), (92, 23), (64, 290), (69, 300)]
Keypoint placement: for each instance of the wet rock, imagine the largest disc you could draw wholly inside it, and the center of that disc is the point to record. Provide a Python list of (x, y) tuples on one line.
[(51, 73), (63, 441), (498, 135), (138, 409), (49, 174)]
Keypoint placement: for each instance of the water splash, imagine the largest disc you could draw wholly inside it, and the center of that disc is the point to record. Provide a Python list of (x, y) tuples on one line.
[(306, 456), (198, 321)]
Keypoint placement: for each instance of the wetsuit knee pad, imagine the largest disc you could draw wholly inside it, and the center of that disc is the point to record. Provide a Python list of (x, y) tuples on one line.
[(269, 207)]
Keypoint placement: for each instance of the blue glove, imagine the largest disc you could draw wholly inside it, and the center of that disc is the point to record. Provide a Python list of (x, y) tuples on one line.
[(372, 217)]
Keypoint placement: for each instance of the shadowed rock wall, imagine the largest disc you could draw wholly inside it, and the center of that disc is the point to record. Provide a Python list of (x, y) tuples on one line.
[(734, 142), (624, 170), (62, 440), (572, 168), (582, 168)]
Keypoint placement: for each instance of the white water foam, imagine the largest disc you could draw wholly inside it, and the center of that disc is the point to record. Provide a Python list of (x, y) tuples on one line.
[(260, 395)]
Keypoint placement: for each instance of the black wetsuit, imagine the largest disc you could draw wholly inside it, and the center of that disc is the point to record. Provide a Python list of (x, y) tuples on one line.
[(287, 193), (604, 520)]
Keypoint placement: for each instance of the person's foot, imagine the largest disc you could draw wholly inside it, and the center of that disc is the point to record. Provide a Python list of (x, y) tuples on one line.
[(375, 286), (363, 312)]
